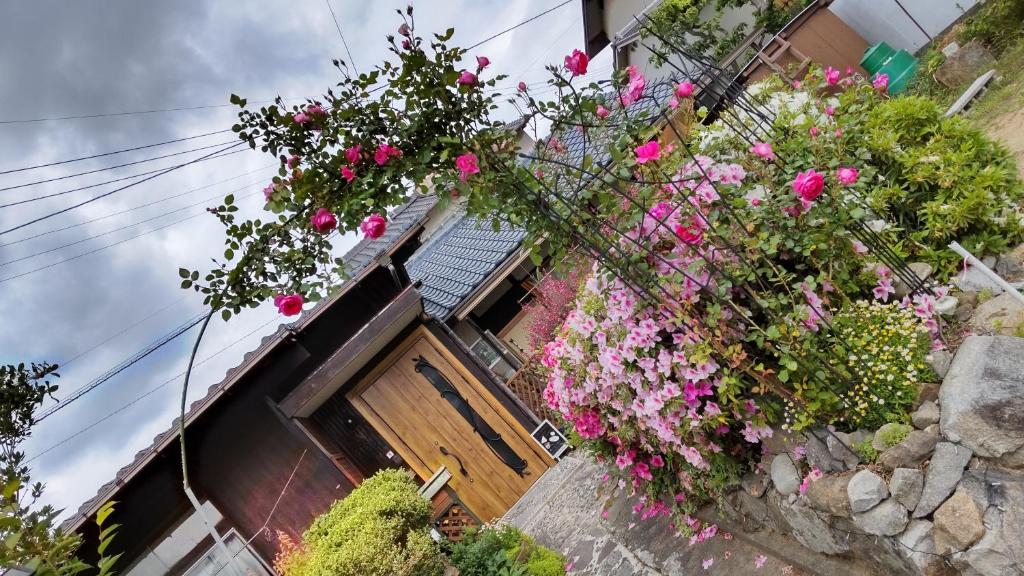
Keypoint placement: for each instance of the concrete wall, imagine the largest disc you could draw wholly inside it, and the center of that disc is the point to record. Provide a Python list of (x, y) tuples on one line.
[(883, 20)]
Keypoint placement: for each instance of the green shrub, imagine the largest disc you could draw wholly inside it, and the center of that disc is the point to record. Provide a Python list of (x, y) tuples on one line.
[(997, 24), (866, 451), (893, 435), (491, 551), (381, 528), (944, 181)]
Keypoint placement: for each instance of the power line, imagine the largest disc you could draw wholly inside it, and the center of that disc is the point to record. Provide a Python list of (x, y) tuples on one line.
[(138, 207), (114, 191), (343, 42), (125, 364), (108, 232), (143, 161), (99, 249), (524, 22), (146, 394), (131, 113), (120, 332), (79, 159)]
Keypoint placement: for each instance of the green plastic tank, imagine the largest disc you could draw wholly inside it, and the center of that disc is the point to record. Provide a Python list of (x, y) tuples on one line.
[(899, 65)]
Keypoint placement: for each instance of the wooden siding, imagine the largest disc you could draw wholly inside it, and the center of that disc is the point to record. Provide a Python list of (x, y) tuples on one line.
[(350, 433)]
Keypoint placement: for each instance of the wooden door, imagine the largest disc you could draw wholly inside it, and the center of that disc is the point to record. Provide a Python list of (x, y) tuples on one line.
[(421, 425)]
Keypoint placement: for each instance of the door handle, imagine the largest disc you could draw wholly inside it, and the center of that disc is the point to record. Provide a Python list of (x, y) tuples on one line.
[(447, 452)]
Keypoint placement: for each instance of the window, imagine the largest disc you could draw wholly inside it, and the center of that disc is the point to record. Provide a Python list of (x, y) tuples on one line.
[(244, 561)]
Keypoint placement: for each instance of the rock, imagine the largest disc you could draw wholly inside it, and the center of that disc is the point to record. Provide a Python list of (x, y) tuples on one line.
[(963, 313), (958, 524), (1009, 267), (944, 471), (933, 429), (887, 519), (810, 529), (989, 261), (754, 484), (926, 415), (974, 280), (946, 305), (866, 489), (840, 446), (922, 270), (886, 433), (940, 361), (906, 485), (1003, 314), (917, 543), (970, 62), (926, 392), (785, 476), (910, 453), (998, 553), (818, 455), (968, 298), (982, 398), (829, 494)]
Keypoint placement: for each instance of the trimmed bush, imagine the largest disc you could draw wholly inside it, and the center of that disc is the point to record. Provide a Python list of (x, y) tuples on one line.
[(380, 529), (504, 550)]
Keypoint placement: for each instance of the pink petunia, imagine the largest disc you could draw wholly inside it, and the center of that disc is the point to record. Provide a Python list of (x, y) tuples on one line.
[(831, 76), (881, 82)]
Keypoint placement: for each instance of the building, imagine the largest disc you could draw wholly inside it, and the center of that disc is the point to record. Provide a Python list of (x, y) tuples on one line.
[(405, 366)]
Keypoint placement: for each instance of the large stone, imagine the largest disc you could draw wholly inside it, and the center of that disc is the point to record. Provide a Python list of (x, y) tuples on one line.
[(840, 446), (999, 552), (966, 64), (922, 270), (974, 280), (818, 455), (906, 485), (865, 490), (885, 433), (940, 361), (887, 519), (755, 484), (810, 529), (910, 453), (917, 543), (1003, 315), (982, 398), (829, 494), (926, 415), (944, 471), (958, 524), (785, 476), (1011, 264)]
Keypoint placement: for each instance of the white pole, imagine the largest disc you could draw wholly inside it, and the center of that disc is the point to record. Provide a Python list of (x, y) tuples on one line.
[(956, 247), (218, 540)]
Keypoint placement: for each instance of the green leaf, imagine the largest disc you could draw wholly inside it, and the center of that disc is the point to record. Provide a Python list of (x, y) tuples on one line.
[(184, 273), (104, 512), (225, 314)]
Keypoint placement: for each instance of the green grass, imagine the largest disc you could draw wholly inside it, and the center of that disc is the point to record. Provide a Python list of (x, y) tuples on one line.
[(1005, 94)]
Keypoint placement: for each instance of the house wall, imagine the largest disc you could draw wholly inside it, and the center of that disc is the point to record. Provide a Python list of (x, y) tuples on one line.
[(883, 21)]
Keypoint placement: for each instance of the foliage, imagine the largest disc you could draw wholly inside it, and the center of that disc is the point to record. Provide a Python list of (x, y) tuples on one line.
[(491, 550), (381, 528), (997, 24), (697, 24), (885, 347), (866, 450), (553, 298), (394, 127), (893, 435), (29, 536)]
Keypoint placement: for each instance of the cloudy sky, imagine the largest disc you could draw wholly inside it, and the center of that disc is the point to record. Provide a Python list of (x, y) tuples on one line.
[(62, 58)]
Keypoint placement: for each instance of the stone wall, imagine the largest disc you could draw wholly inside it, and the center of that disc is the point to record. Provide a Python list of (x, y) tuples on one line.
[(947, 499)]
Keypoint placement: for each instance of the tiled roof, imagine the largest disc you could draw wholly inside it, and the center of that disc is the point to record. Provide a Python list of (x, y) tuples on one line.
[(357, 259), (459, 259)]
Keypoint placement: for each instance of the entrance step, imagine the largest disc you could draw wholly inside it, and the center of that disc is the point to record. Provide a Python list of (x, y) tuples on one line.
[(563, 511)]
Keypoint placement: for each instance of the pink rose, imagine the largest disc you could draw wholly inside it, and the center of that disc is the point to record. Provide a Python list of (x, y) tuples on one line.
[(847, 175), (467, 165), (269, 191), (813, 131), (684, 89), (384, 153), (796, 84), (635, 87), (648, 152), (292, 161), (602, 112), (764, 150), (467, 78), (348, 174), (808, 185), (522, 86), (353, 153), (831, 76), (691, 235), (323, 221), (406, 44), (315, 110), (300, 118), (404, 29), (577, 63), (374, 226), (881, 82), (482, 62), (289, 305)]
